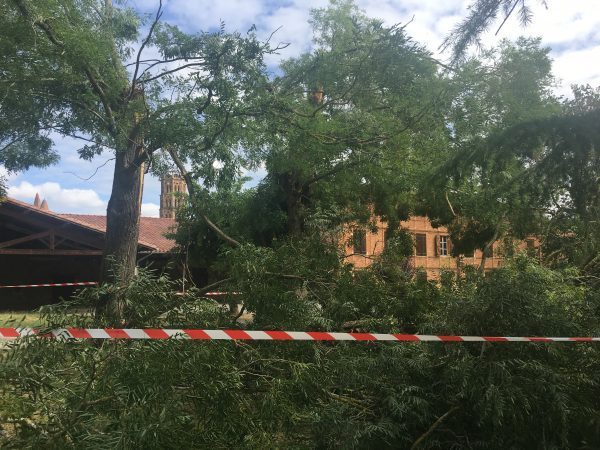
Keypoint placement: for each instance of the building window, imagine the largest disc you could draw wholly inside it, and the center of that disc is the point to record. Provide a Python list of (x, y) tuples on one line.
[(443, 246), (421, 244), (359, 242)]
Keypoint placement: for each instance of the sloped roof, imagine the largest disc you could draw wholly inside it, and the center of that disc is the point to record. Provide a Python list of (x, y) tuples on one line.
[(152, 229)]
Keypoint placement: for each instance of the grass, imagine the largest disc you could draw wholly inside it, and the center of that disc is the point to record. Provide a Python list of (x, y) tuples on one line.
[(19, 319)]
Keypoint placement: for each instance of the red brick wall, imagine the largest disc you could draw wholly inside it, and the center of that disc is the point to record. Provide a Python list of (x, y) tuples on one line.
[(431, 263)]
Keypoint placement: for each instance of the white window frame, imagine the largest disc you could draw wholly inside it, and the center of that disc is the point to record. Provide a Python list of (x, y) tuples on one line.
[(443, 245)]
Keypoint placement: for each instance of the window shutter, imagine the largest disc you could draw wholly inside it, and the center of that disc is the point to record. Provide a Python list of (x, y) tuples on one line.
[(436, 245), (359, 238), (449, 244), (421, 244)]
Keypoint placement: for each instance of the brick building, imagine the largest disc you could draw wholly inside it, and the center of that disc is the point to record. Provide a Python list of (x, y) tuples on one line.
[(432, 250)]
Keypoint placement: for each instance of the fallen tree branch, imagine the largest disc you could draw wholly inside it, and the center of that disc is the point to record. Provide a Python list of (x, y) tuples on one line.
[(432, 428), (191, 189)]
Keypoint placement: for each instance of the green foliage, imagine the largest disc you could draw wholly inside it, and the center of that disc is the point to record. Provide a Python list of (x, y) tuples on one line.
[(482, 15), (478, 193), (354, 122), (352, 128), (184, 394)]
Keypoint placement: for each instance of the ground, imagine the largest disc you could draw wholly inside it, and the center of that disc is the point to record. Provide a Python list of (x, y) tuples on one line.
[(19, 319)]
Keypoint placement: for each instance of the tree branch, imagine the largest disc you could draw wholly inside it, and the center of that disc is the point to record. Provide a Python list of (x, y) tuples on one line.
[(95, 171), (10, 143), (159, 13), (285, 276), (167, 72), (432, 428), (77, 136), (338, 168), (112, 127), (156, 62), (507, 16), (192, 189), (449, 204)]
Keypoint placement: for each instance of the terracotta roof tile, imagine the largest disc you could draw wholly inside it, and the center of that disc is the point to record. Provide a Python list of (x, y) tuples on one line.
[(152, 229)]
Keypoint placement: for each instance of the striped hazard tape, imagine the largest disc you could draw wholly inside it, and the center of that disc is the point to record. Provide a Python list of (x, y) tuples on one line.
[(221, 293), (162, 333), (210, 294), (78, 283)]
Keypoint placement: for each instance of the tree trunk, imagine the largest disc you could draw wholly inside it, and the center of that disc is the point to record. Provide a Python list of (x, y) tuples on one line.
[(122, 225), (293, 193), (294, 219), (485, 250)]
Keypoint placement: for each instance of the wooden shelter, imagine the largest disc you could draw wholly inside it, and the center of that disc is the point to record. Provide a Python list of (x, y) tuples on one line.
[(41, 246)]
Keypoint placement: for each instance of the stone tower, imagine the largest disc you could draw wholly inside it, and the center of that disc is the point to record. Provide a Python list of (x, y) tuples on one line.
[(172, 195)]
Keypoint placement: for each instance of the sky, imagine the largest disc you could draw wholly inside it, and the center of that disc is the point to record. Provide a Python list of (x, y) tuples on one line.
[(570, 28)]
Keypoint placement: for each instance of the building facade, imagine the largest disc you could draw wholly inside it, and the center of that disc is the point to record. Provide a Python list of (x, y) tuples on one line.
[(432, 252)]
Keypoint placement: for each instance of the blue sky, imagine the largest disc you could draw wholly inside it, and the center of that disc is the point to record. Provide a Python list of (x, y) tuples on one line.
[(570, 28)]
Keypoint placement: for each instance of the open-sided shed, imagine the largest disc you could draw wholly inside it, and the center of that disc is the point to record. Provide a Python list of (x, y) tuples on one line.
[(38, 246)]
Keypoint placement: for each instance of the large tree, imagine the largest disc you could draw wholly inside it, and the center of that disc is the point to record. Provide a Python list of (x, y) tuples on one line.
[(353, 123), (357, 117), (481, 197), (80, 69), (561, 175)]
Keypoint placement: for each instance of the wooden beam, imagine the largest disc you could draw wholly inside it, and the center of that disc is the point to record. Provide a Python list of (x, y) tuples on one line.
[(77, 233), (56, 252), (31, 237), (60, 241)]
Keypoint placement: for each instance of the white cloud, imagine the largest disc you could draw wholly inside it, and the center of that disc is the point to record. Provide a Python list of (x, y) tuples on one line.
[(150, 210), (62, 200), (577, 67), (65, 200), (204, 15)]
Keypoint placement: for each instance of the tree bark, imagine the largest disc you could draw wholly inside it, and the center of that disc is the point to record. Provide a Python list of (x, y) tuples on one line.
[(122, 224), (486, 249), (294, 193)]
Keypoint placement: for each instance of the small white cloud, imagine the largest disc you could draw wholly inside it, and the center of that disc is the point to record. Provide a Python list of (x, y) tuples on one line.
[(62, 200), (150, 210)]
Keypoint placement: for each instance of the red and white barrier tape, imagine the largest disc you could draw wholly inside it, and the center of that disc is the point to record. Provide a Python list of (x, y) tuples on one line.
[(79, 283), (161, 333), (221, 293), (210, 294), (94, 283)]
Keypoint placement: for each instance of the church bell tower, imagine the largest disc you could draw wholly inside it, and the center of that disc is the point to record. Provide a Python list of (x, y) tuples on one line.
[(172, 195)]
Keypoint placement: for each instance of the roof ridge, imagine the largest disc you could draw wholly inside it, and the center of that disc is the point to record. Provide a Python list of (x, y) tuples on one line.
[(77, 219)]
